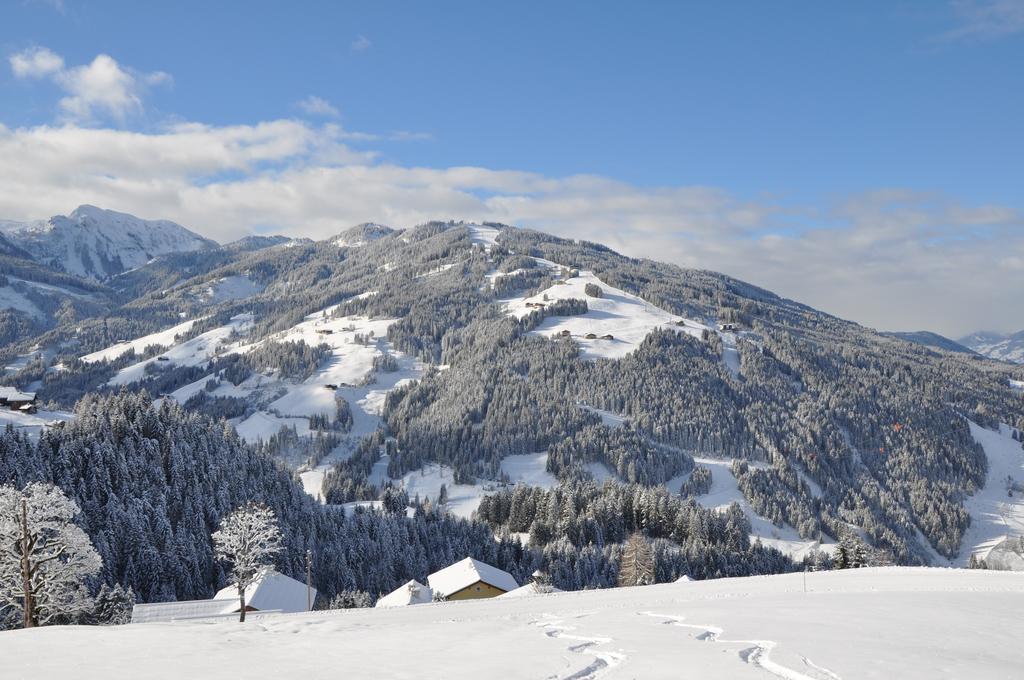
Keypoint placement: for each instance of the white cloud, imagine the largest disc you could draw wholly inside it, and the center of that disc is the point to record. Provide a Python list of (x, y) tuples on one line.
[(361, 43), (101, 88), (894, 259), (316, 106), (36, 62), (986, 19)]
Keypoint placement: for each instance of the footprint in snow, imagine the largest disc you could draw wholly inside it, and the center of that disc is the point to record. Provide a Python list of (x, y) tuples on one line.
[(758, 655), (603, 661)]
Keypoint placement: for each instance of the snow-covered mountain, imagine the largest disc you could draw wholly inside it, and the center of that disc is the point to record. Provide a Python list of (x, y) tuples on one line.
[(96, 244), (361, 234), (1002, 346)]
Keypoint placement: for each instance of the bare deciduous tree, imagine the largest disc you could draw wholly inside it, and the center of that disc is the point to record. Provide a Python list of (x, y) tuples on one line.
[(44, 556), (637, 565)]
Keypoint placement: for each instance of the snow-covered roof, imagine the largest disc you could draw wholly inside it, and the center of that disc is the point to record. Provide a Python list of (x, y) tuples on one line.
[(683, 579), (531, 590), (412, 592), (187, 610), (13, 394), (467, 572), (271, 591)]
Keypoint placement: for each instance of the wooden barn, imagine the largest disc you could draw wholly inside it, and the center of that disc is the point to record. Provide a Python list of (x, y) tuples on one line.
[(471, 580), (16, 400)]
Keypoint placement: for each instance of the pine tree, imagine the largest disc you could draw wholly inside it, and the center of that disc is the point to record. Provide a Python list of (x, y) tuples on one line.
[(844, 552), (248, 539), (636, 566)]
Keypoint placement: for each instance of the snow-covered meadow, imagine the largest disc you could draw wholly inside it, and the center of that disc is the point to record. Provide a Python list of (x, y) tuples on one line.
[(888, 623), (627, 318), (31, 423)]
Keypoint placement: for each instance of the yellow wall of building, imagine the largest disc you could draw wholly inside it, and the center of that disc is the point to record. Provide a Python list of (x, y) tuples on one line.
[(478, 590)]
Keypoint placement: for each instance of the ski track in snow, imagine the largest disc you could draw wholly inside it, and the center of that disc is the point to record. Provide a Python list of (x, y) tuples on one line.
[(758, 655), (604, 661)]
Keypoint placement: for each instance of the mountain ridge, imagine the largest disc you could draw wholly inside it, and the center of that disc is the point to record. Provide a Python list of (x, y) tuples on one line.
[(930, 339)]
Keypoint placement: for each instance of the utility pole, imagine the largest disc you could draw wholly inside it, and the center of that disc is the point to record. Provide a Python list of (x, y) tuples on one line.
[(309, 580)]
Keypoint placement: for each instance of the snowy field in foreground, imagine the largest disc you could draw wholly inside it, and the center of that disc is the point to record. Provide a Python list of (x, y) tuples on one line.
[(869, 623)]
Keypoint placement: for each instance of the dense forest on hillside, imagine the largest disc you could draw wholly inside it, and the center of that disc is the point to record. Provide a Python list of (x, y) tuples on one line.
[(153, 483)]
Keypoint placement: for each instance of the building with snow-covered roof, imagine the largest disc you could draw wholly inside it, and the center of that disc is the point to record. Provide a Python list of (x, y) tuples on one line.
[(1005, 553), (471, 579), (272, 592), (16, 400), (531, 589), (412, 592), (187, 610)]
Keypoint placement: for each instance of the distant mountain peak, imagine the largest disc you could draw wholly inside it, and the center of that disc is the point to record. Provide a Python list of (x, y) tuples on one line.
[(97, 243), (995, 345), (934, 340)]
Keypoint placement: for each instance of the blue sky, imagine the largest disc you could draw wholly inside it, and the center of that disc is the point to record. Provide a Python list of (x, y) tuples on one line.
[(896, 122)]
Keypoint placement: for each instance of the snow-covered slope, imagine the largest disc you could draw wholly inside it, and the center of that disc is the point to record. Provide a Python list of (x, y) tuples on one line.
[(97, 244), (997, 509), (1005, 347), (864, 623), (725, 491), (626, 318), (165, 338), (192, 352)]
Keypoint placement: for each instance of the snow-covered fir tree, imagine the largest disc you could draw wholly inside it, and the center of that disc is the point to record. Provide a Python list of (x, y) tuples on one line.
[(112, 606)]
